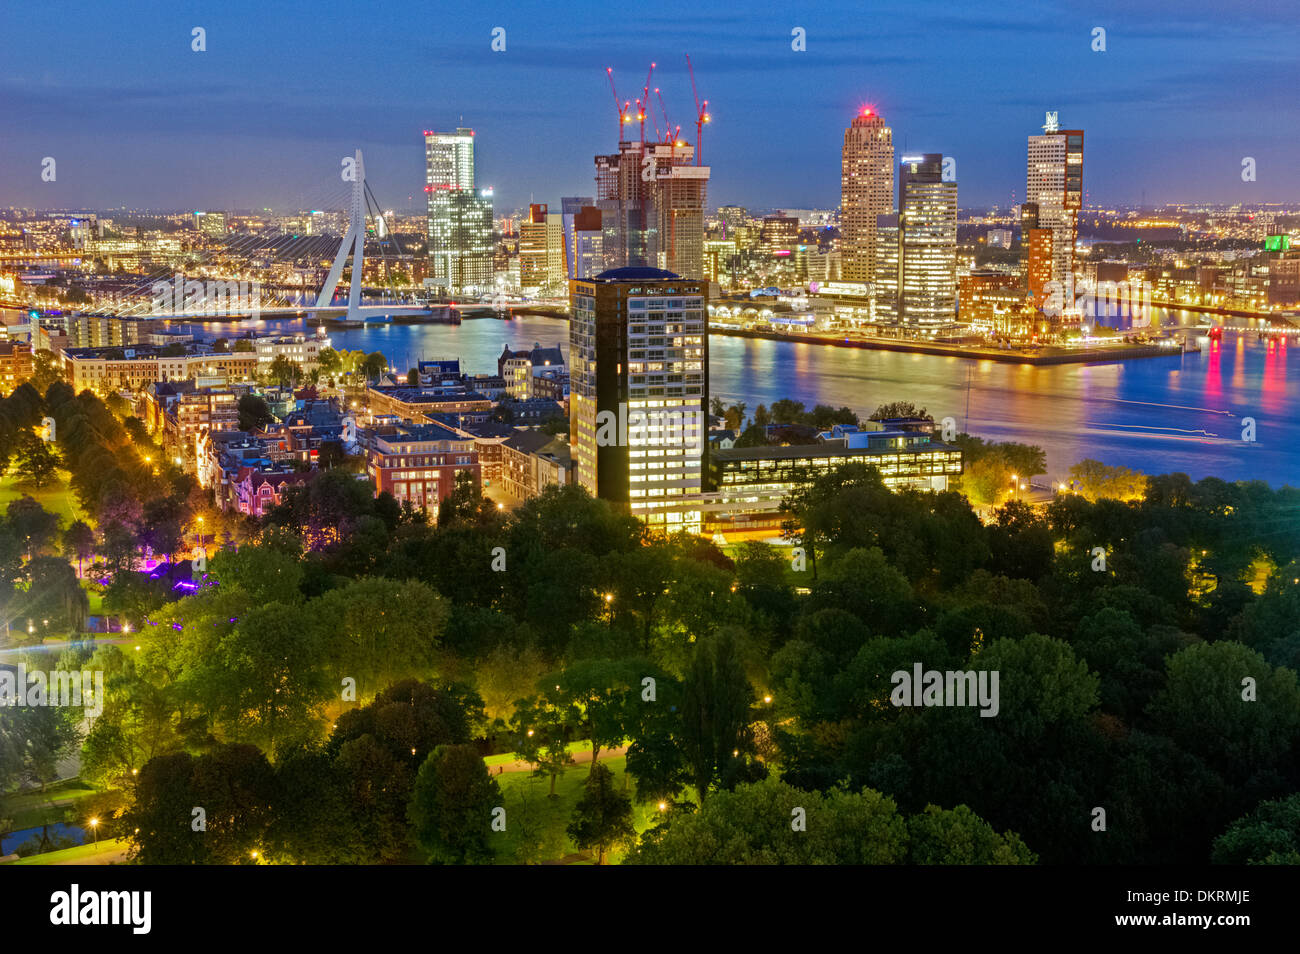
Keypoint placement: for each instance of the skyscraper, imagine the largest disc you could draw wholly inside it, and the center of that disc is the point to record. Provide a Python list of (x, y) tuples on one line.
[(459, 216), (916, 250), (651, 198), (639, 392), (866, 191), (927, 242), (1054, 182)]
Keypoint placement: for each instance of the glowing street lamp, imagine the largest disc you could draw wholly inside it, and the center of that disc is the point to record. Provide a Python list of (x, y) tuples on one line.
[(94, 827)]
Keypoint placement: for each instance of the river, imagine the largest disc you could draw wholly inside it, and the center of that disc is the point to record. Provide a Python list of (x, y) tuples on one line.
[(1179, 413)]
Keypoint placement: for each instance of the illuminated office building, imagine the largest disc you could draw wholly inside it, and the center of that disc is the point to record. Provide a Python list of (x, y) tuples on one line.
[(1054, 183), (866, 191), (638, 398), (459, 216)]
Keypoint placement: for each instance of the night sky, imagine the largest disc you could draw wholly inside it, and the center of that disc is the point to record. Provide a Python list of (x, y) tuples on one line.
[(134, 117)]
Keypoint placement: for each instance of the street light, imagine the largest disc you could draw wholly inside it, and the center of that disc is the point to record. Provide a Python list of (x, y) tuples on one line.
[(94, 827)]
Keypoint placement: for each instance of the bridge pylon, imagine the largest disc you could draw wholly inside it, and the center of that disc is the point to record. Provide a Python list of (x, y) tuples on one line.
[(356, 238)]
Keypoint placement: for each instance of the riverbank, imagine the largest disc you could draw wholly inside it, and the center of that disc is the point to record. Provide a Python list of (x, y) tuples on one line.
[(1269, 318), (1041, 356)]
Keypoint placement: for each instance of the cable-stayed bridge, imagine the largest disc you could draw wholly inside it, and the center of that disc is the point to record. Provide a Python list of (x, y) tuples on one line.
[(182, 295)]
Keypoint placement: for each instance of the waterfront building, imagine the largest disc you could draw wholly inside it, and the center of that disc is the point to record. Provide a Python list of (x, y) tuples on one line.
[(927, 244), (1054, 183), (542, 265), (749, 484), (866, 192)]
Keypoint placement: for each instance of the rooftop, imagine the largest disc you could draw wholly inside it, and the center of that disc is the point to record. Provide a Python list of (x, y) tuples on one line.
[(637, 273), (796, 451)]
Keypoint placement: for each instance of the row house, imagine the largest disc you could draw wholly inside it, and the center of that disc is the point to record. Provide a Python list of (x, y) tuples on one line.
[(517, 367), (418, 404), (531, 461), (419, 463), (255, 490), (15, 364)]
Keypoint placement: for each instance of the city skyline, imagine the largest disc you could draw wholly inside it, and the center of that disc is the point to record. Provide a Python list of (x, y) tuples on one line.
[(972, 91)]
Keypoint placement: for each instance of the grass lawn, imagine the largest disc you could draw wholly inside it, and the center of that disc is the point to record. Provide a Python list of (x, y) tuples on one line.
[(793, 577), (554, 814), (80, 853), (505, 758), (31, 809), (56, 497)]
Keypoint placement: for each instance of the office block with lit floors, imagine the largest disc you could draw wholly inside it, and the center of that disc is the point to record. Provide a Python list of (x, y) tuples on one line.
[(638, 398)]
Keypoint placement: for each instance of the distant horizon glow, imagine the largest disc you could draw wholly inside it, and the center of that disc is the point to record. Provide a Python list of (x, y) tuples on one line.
[(1182, 94)]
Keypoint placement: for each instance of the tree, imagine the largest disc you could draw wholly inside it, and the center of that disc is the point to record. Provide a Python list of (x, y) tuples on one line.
[(960, 837), (756, 825), (374, 365), (377, 750), (540, 734), (752, 436), (283, 371), (265, 684), (310, 820), (330, 362), (46, 370), (254, 412), (234, 785), (1270, 835), (899, 409), (55, 594), (36, 462), (32, 524), (1094, 480), (786, 411), (79, 543), (716, 699), (466, 504), (451, 806), (602, 819), (378, 630), (34, 740), (1208, 707)]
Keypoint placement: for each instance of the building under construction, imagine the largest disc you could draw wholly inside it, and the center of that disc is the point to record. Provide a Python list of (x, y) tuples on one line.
[(651, 193)]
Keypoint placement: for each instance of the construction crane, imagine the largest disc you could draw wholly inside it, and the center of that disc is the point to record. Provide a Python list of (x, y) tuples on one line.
[(644, 102), (624, 108), (702, 115), (669, 134)]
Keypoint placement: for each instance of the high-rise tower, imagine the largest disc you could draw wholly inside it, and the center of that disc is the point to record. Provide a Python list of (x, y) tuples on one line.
[(866, 191), (459, 216), (1054, 182), (639, 392), (651, 196), (927, 242)]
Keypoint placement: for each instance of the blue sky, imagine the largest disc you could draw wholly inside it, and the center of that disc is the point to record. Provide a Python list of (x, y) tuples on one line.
[(133, 117)]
